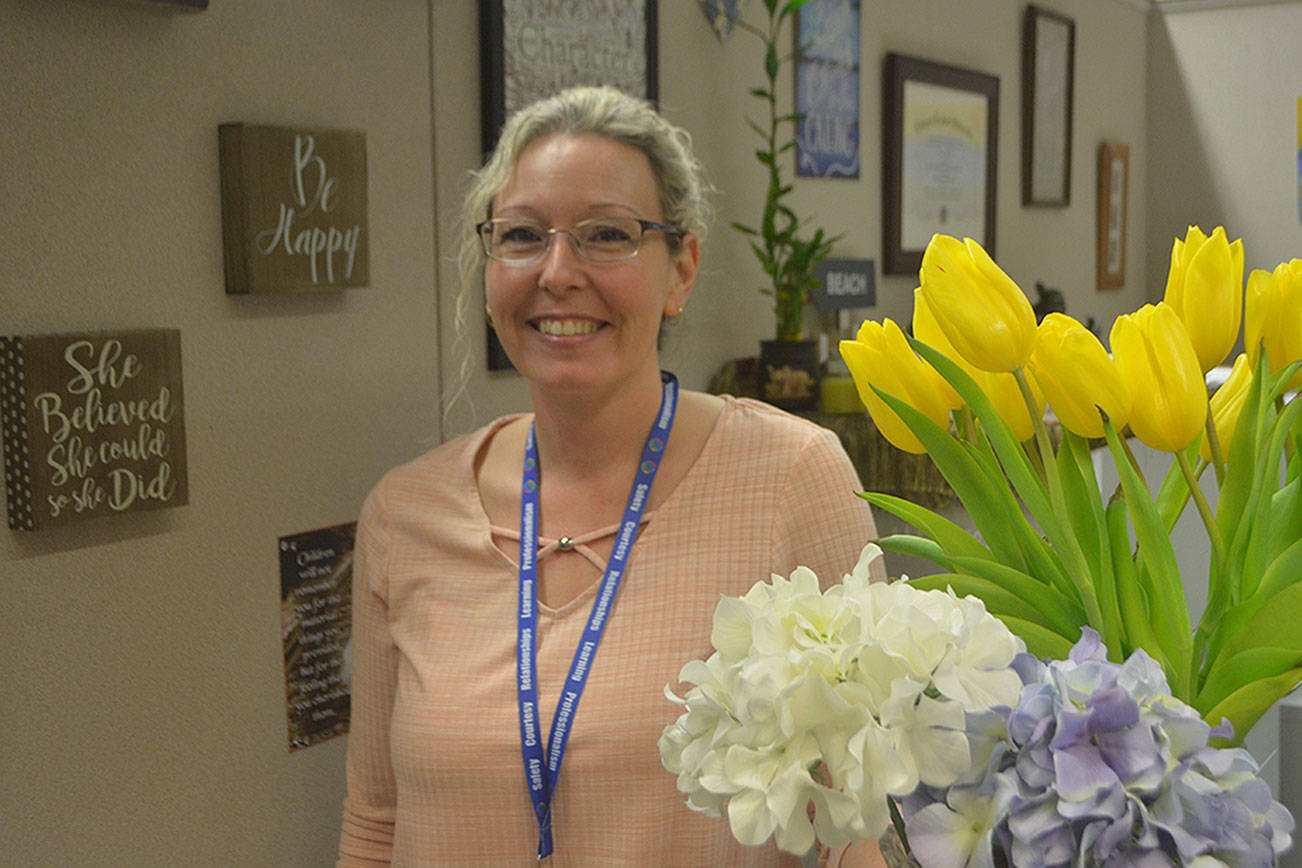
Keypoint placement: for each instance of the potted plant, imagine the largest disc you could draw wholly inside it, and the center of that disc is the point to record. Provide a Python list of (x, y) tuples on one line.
[(786, 252)]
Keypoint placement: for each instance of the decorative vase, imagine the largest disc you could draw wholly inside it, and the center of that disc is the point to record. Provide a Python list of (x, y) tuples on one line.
[(789, 374)]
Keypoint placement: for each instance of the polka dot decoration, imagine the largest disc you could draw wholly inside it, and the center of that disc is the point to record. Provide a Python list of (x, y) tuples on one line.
[(13, 431)]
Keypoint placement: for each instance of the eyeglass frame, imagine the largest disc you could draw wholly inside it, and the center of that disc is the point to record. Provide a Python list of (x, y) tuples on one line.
[(552, 231)]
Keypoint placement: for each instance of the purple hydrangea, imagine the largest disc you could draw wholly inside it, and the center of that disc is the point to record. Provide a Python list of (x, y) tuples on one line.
[(1098, 765)]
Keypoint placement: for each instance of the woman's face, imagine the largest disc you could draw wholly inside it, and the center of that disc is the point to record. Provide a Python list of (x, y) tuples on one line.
[(567, 323)]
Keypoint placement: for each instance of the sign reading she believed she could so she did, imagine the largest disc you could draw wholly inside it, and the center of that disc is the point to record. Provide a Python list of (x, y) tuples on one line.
[(293, 209), (93, 425)]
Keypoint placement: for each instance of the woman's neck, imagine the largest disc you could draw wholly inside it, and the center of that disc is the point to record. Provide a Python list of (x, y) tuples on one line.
[(584, 436)]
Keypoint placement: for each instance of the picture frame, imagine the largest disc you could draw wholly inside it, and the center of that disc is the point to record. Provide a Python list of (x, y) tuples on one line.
[(827, 89), (1114, 187), (1048, 80), (529, 49), (939, 157)]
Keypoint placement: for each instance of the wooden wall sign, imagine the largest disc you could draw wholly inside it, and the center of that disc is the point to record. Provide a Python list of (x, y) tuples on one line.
[(93, 424), (293, 209)]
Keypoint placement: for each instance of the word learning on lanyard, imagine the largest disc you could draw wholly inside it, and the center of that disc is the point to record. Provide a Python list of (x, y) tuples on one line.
[(541, 769)]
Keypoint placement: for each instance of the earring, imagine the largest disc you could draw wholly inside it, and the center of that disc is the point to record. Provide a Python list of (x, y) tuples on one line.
[(675, 318), (488, 314)]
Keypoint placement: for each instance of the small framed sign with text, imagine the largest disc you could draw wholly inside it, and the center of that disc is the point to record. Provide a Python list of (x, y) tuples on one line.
[(293, 209), (93, 425)]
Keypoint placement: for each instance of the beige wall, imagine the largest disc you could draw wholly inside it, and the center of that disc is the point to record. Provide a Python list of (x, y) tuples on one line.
[(142, 712), (1225, 117)]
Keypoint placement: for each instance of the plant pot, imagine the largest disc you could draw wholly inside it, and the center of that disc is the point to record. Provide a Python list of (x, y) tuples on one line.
[(789, 374)]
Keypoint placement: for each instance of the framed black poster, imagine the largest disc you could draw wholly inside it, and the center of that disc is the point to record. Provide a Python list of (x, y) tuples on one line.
[(939, 158), (529, 49), (316, 571)]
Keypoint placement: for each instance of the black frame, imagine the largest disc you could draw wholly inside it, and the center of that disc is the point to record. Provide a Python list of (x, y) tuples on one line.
[(1032, 122), (900, 69), (492, 66)]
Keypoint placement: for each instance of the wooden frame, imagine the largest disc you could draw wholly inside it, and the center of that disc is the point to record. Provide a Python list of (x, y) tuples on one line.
[(1048, 50), (1114, 186), (939, 157), (535, 51)]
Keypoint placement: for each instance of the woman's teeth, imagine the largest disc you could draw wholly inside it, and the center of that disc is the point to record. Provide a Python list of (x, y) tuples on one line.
[(566, 327)]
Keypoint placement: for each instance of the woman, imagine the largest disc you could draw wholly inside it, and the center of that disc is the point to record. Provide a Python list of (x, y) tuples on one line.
[(587, 223)]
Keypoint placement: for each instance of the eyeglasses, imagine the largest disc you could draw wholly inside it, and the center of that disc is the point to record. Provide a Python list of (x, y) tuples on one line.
[(517, 241)]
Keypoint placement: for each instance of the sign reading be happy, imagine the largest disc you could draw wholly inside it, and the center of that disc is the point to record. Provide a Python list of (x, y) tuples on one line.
[(293, 209)]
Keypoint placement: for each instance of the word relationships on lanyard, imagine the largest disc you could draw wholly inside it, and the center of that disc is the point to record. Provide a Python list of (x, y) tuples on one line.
[(542, 770)]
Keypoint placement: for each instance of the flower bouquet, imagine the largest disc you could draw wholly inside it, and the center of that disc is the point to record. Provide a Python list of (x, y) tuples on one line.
[(907, 707), (876, 708)]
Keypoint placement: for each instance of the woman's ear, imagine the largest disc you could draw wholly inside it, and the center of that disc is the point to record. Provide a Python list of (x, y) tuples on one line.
[(684, 266)]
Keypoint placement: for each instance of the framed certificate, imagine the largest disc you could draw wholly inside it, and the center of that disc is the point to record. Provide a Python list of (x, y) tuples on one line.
[(939, 158)]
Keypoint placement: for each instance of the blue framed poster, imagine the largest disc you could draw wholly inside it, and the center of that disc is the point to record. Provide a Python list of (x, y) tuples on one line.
[(827, 89)]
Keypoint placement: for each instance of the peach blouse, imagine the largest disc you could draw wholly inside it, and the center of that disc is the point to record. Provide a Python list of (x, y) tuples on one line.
[(435, 775)]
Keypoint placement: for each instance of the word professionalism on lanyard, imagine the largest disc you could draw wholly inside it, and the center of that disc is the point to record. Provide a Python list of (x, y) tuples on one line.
[(542, 770)]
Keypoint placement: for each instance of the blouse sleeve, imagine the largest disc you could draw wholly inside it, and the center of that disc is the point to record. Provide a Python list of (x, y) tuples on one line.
[(821, 522), (366, 838)]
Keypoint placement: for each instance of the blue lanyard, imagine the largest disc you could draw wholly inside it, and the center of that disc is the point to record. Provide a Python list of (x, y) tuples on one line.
[(542, 770)]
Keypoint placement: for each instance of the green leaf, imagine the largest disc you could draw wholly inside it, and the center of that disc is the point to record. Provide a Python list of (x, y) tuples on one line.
[(1246, 705), (1058, 611), (950, 536), (1278, 624), (1160, 576), (1282, 574), (915, 547), (988, 501), (1245, 667)]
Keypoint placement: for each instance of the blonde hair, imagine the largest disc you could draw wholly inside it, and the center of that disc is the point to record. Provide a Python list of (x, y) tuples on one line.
[(681, 183)]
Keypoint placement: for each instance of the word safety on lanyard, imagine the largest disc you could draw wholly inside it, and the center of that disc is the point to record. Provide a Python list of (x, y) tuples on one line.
[(542, 769)]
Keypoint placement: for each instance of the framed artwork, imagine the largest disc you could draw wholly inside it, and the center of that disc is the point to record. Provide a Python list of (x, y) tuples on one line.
[(1114, 185), (939, 157), (827, 89), (1048, 48), (529, 49)]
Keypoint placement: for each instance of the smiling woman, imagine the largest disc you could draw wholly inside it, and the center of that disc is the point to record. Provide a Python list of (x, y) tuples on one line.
[(577, 550)]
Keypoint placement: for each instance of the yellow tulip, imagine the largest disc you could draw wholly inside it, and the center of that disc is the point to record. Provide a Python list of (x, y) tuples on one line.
[(1157, 361), (1226, 404), (881, 357), (1273, 317), (1001, 389), (985, 315), (1205, 287), (1078, 377)]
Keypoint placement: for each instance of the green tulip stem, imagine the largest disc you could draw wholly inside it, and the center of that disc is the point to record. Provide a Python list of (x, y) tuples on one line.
[(1204, 510), (1134, 462), (1214, 445), (1076, 566)]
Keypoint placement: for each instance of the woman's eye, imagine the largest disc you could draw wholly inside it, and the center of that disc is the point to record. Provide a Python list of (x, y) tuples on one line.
[(608, 234), (520, 234)]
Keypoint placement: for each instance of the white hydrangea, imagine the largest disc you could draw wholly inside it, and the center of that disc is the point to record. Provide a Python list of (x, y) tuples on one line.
[(836, 699)]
